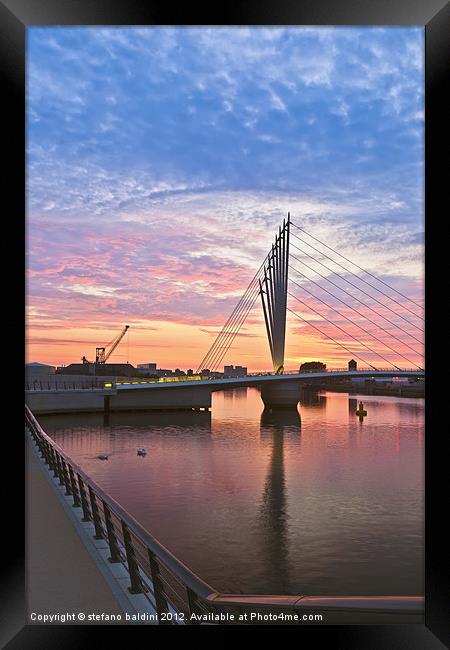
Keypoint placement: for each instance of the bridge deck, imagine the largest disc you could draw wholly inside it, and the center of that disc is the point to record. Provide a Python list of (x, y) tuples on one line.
[(256, 380)]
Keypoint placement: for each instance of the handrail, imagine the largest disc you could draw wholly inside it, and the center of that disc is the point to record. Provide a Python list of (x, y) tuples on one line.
[(207, 378), (58, 385), (199, 597)]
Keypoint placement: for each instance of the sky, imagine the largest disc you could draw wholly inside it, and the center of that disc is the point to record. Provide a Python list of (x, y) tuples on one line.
[(161, 162)]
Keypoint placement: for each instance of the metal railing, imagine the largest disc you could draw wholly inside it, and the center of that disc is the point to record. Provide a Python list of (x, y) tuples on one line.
[(62, 384), (173, 590), (99, 384)]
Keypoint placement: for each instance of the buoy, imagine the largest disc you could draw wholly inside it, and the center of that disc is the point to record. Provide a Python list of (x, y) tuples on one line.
[(103, 456), (361, 412)]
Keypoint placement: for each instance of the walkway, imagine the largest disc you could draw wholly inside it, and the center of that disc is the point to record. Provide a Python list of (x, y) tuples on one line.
[(62, 576)]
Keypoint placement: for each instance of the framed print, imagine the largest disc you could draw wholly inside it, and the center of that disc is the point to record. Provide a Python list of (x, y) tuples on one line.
[(230, 242)]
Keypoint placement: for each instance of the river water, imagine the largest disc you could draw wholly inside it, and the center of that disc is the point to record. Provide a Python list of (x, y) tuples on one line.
[(308, 502)]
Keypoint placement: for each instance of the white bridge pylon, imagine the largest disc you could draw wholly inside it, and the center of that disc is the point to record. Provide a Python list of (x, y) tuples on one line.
[(273, 291)]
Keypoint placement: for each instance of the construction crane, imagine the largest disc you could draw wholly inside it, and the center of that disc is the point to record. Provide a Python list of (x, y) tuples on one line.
[(101, 355)]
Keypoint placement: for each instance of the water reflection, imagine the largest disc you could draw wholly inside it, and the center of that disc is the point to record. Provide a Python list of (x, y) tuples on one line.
[(284, 420), (130, 419), (310, 397), (273, 518), (273, 513), (287, 501)]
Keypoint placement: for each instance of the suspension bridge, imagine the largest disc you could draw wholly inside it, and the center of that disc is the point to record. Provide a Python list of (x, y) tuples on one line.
[(351, 308), (387, 325)]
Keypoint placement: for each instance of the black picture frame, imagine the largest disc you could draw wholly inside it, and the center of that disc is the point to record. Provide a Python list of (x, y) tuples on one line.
[(434, 15)]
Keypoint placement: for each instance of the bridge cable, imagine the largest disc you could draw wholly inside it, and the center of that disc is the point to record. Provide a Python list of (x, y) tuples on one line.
[(215, 359), (229, 337), (233, 324), (233, 319), (221, 350), (356, 286), (360, 278), (359, 326), (351, 295), (235, 333), (331, 338), (361, 269), (345, 331), (230, 319), (229, 326), (353, 309)]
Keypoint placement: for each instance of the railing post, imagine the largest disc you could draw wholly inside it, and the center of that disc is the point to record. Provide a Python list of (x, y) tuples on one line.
[(158, 588), (193, 608), (95, 515), (66, 477), (54, 465), (59, 468), (112, 539), (76, 497), (45, 452), (133, 568), (84, 501), (40, 445)]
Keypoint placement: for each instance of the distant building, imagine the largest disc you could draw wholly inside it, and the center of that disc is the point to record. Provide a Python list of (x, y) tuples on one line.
[(234, 371), (150, 367), (164, 372), (99, 369), (35, 369), (313, 366), (352, 365), (150, 370)]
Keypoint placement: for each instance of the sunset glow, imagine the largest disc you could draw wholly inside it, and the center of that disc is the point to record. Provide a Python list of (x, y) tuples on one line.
[(161, 162)]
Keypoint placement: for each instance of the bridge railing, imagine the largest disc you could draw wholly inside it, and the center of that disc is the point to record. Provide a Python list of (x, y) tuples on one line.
[(99, 384), (172, 589), (182, 378), (63, 384)]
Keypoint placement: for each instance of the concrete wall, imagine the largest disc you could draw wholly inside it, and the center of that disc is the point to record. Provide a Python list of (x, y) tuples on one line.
[(65, 401), (53, 401), (162, 398)]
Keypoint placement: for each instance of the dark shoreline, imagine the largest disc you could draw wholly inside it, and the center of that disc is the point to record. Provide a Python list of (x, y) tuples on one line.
[(372, 389)]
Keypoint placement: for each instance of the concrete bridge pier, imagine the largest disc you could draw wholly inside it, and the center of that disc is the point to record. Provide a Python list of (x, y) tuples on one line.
[(281, 395)]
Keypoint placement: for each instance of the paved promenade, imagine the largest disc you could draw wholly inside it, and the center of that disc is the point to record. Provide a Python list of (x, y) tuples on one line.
[(62, 575)]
